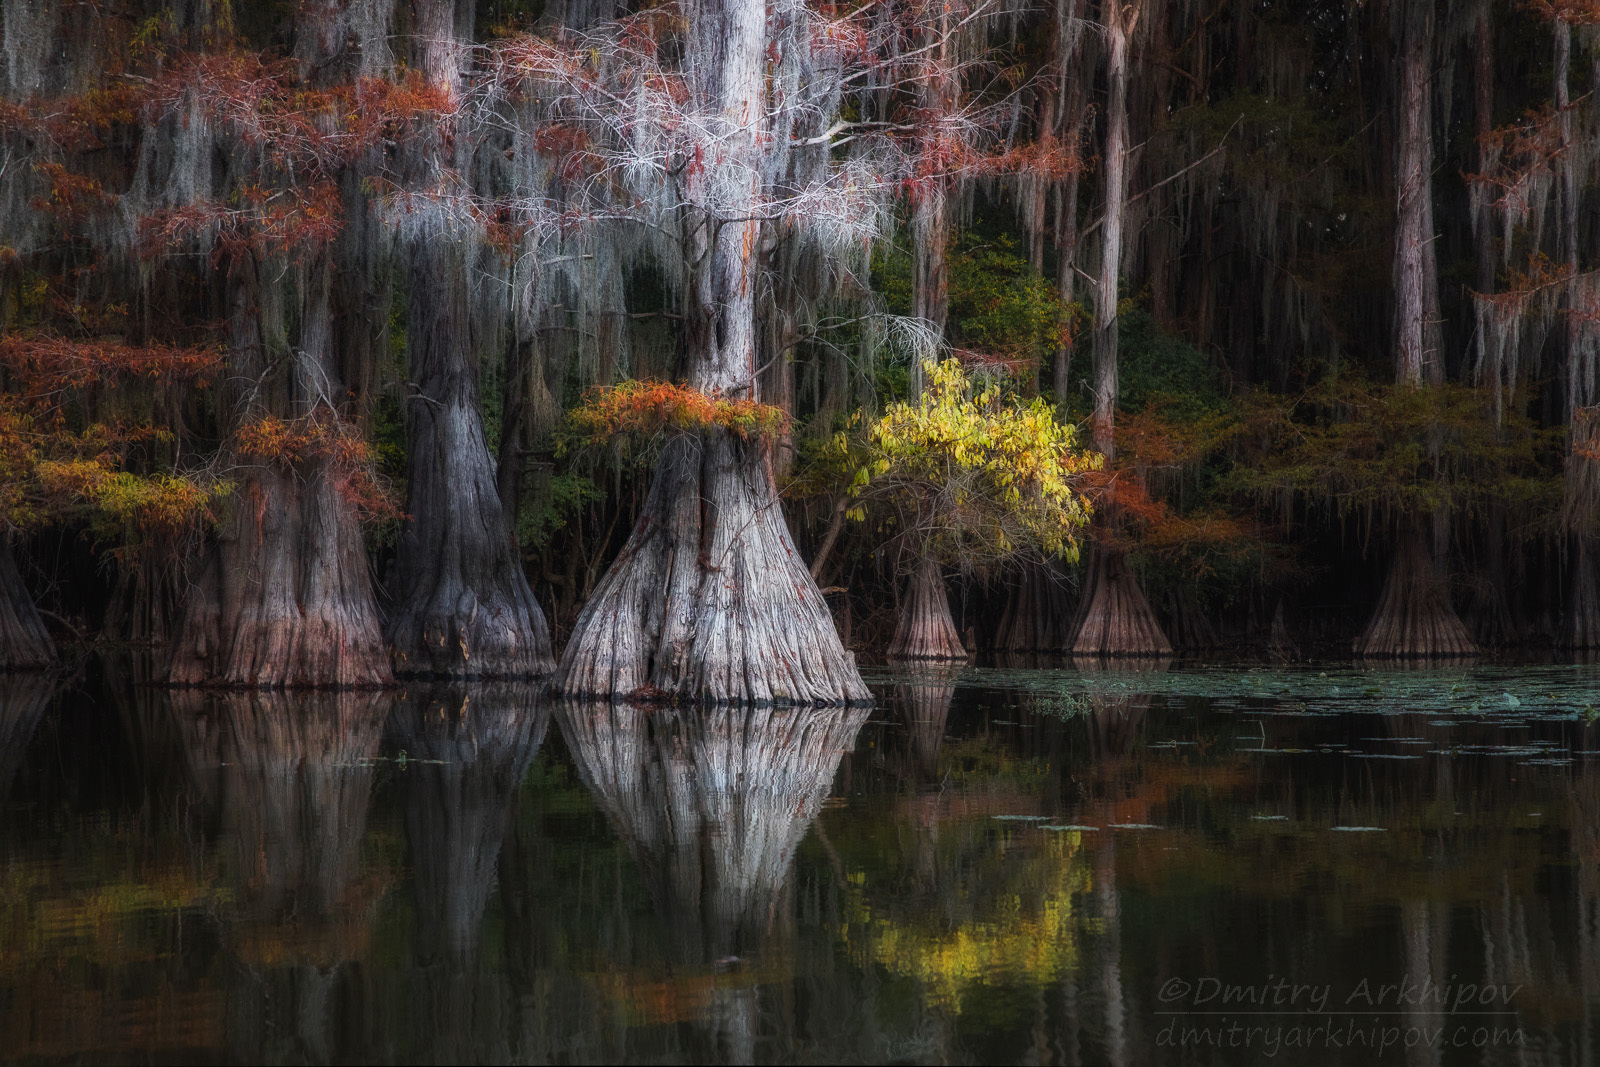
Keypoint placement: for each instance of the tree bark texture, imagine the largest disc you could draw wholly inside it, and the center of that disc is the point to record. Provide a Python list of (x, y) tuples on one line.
[(926, 631), (709, 599), (25, 644), (1416, 332), (461, 605), (1414, 618), (1038, 613), (1114, 618), (1119, 19), (283, 597)]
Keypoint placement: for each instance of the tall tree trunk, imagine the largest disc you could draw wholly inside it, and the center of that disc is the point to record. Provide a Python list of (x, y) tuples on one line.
[(461, 604), (25, 645), (1581, 626), (710, 598), (1414, 616), (283, 597), (1069, 119), (1114, 618), (926, 630)]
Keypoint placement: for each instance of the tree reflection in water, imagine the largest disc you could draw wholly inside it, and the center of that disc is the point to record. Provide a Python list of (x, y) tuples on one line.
[(286, 778), (460, 754), (712, 803), (23, 699)]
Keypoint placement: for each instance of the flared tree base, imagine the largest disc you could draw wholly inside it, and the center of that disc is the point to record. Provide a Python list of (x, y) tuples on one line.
[(25, 644), (1114, 618), (462, 607), (709, 599), (1038, 613), (1581, 628), (926, 630), (284, 600), (1414, 618)]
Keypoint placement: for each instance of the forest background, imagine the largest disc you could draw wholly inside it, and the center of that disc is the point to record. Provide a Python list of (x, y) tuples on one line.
[(347, 337)]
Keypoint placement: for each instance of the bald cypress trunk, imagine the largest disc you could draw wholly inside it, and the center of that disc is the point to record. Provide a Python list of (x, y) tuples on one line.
[(1114, 618), (709, 599), (24, 642), (926, 630), (283, 596), (460, 603), (1414, 616), (1038, 613)]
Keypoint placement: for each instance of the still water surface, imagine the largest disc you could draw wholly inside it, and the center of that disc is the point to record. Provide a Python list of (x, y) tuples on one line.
[(1181, 866)]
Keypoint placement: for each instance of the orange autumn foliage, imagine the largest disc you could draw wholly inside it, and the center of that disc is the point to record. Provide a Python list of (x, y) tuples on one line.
[(649, 407), (321, 438)]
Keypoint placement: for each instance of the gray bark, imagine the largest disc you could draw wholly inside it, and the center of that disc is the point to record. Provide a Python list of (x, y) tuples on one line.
[(461, 604), (283, 597), (709, 599)]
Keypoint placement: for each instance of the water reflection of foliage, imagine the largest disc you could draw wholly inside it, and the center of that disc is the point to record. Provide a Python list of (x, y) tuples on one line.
[(1032, 934)]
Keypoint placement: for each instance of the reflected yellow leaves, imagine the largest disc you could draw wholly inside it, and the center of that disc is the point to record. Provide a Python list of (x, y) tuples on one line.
[(1030, 934)]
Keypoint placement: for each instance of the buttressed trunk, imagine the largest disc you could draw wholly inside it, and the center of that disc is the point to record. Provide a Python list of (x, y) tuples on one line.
[(24, 643), (709, 598), (462, 606), (283, 597), (926, 630)]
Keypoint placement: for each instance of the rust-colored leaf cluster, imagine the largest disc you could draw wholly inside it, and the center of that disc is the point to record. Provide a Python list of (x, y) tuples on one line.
[(321, 438), (649, 407)]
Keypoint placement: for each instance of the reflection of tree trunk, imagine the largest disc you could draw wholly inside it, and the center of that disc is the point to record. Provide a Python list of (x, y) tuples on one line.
[(712, 803), (290, 776), (474, 745), (1414, 616), (22, 703), (1037, 614), (1110, 946), (467, 751), (924, 699), (1114, 618), (24, 642), (926, 630)]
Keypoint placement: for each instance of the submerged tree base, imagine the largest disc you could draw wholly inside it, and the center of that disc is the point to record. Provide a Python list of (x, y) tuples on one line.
[(926, 630), (1114, 618), (24, 642), (709, 599), (1414, 618)]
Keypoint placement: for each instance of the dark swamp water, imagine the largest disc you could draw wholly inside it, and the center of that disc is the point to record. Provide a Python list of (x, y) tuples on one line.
[(1188, 866)]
